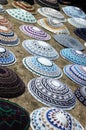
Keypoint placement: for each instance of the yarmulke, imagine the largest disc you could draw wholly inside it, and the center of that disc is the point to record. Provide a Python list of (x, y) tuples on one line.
[(81, 32), (6, 57), (40, 48), (49, 3), (3, 2), (68, 41), (8, 37), (22, 15), (53, 25), (31, 2), (81, 94), (65, 2), (53, 119), (77, 22), (74, 56), (73, 11), (49, 12), (24, 5), (77, 73), (13, 116), (34, 32), (52, 92), (10, 83), (5, 22), (42, 66), (1, 9)]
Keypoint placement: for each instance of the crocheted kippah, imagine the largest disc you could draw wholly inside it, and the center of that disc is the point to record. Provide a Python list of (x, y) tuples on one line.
[(10, 83), (80, 93), (65, 2), (13, 117), (49, 3), (3, 2)]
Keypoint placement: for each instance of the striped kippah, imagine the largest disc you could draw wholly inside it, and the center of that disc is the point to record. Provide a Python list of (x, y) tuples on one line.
[(10, 83)]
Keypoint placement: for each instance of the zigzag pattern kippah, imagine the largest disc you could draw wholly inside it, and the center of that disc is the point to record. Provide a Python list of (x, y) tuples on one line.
[(13, 117)]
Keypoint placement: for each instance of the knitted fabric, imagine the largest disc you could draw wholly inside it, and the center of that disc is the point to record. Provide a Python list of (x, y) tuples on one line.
[(13, 117), (10, 83)]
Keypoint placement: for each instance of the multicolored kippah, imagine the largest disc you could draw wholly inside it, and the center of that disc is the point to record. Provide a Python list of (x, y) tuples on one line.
[(13, 117), (6, 57), (5, 22), (53, 119), (24, 5), (53, 25), (10, 83), (8, 37)]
